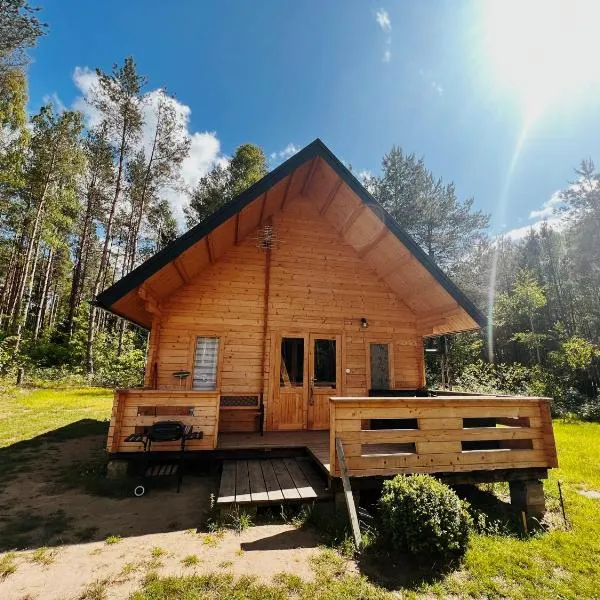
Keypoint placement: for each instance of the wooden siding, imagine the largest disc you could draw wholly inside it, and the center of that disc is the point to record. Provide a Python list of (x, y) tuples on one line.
[(318, 283), (200, 409), (523, 437)]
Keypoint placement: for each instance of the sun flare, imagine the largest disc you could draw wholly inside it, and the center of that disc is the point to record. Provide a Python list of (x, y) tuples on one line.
[(542, 50)]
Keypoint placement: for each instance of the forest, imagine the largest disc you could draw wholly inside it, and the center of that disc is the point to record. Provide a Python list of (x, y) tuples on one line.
[(84, 201)]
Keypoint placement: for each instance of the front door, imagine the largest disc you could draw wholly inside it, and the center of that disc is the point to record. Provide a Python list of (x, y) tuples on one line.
[(289, 410), (324, 377), (308, 371)]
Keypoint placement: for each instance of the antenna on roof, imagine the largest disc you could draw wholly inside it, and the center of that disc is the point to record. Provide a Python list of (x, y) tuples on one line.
[(267, 238)]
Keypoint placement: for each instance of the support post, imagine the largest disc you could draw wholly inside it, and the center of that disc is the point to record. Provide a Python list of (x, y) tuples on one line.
[(528, 496), (348, 493)]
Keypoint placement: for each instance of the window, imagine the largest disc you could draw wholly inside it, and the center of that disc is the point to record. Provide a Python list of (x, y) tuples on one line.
[(292, 362), (205, 363), (380, 366), (325, 363)]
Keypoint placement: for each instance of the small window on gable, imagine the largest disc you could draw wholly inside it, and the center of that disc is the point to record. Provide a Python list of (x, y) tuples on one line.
[(205, 363)]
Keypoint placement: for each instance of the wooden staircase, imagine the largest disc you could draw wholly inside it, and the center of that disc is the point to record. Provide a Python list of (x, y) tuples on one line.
[(266, 481)]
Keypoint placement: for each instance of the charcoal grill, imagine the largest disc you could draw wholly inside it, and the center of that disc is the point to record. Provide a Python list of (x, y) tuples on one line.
[(157, 433)]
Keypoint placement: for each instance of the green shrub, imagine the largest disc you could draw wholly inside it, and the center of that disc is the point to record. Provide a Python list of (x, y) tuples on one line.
[(423, 516)]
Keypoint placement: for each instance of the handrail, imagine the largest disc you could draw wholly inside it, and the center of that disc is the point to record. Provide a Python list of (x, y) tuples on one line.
[(386, 436)]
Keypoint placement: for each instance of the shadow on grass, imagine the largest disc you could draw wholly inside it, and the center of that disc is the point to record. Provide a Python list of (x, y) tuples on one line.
[(55, 491), (15, 459)]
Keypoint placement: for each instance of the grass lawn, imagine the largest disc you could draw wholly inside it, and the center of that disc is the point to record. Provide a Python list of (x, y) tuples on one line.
[(558, 564), (25, 414)]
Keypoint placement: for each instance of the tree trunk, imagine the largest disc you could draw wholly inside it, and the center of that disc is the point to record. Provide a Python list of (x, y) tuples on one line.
[(78, 270), (44, 295), (104, 258)]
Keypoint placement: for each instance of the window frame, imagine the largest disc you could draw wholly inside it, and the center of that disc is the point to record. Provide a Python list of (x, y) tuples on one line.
[(390, 344), (192, 359)]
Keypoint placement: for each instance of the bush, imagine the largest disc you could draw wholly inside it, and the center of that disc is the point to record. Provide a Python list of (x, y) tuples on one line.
[(423, 516)]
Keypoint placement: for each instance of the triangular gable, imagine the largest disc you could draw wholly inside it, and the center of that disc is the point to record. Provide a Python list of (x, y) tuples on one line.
[(440, 307)]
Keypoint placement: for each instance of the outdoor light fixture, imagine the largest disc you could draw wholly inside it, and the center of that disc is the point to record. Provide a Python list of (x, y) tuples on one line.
[(364, 323)]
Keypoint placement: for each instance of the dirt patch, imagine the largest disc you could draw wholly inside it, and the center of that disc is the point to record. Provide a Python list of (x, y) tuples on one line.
[(262, 551), (59, 531), (595, 495)]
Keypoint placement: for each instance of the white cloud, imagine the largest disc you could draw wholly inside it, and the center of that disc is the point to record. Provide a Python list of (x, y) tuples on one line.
[(548, 207), (205, 147), (287, 152), (54, 98), (385, 23), (383, 19), (546, 214), (431, 82), (437, 88)]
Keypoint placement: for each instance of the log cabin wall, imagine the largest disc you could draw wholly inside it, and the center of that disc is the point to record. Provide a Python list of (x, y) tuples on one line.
[(317, 284)]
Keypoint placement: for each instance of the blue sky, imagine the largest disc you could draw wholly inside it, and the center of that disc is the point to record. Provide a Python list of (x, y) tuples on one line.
[(360, 75)]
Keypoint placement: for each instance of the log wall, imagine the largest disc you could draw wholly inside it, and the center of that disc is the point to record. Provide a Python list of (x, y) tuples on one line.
[(318, 283)]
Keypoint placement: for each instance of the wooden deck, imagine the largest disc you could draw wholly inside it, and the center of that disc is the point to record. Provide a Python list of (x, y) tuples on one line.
[(267, 481), (315, 442)]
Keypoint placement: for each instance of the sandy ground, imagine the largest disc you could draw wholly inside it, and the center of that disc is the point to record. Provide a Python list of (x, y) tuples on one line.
[(262, 551), (163, 519)]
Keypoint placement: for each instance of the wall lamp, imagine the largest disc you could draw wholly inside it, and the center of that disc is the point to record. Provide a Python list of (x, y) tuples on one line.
[(364, 323)]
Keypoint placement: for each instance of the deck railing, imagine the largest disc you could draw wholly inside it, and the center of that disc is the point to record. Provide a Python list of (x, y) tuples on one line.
[(386, 436), (135, 409)]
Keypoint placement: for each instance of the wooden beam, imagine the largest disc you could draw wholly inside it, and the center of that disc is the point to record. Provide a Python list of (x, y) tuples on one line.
[(210, 249), (353, 217), (236, 239), (348, 493), (332, 195), (287, 189), (378, 239), (405, 260), (185, 278), (151, 304), (446, 310), (310, 175), (262, 208)]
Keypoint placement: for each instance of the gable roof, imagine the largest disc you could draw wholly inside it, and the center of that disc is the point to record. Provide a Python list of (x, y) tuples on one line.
[(318, 167)]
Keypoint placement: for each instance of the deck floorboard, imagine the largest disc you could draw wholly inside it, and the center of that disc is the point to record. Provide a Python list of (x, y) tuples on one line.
[(270, 480), (316, 442)]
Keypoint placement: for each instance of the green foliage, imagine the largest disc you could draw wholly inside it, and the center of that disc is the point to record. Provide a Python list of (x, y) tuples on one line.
[(223, 183), (445, 227), (19, 30), (574, 353), (423, 516), (487, 378)]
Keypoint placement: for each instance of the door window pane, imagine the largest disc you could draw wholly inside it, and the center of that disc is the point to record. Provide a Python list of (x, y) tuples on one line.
[(205, 363), (325, 367), (380, 367), (292, 362)]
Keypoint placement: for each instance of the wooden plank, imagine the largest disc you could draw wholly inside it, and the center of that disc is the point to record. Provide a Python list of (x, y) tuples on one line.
[(242, 482), (313, 478), (258, 490), (272, 486), (227, 487), (442, 435), (348, 493), (302, 485), (288, 488)]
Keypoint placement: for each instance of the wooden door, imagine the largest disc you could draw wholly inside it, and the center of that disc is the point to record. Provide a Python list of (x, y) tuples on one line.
[(291, 381), (325, 372)]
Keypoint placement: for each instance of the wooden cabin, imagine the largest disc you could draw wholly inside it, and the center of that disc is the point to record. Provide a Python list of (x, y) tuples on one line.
[(298, 312)]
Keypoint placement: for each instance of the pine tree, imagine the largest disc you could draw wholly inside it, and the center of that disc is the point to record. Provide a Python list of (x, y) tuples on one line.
[(221, 184)]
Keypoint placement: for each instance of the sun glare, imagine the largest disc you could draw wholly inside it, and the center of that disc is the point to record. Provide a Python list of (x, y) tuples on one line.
[(542, 50)]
